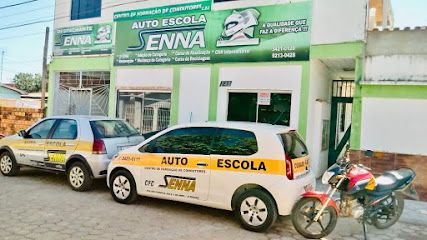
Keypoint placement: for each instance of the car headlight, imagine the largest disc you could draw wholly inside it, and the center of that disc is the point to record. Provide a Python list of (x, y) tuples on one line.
[(326, 176)]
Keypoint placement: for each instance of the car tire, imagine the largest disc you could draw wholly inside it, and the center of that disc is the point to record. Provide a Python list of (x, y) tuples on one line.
[(79, 177), (8, 164), (256, 210), (123, 187)]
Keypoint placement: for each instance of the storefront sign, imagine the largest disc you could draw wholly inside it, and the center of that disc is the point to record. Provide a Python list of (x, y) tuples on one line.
[(264, 98), (83, 40), (192, 33)]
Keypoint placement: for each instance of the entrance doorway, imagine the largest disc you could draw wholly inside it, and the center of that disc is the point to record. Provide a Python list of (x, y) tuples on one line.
[(341, 109), (243, 106)]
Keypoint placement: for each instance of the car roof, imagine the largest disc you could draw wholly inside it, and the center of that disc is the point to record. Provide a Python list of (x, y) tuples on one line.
[(249, 126), (75, 117)]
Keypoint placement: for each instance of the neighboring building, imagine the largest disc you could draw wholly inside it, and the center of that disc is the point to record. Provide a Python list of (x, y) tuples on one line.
[(380, 14), (393, 95), (229, 69), (10, 92)]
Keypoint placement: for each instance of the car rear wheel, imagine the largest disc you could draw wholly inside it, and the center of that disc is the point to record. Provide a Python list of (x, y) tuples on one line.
[(79, 177), (8, 165), (256, 210), (123, 187)]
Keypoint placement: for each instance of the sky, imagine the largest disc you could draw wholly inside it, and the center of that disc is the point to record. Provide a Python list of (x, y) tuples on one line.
[(25, 53)]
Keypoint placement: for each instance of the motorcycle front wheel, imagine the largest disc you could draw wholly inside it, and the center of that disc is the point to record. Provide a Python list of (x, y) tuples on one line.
[(303, 214), (390, 210)]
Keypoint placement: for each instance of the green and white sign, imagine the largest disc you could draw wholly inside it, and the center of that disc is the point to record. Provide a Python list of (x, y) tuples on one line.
[(192, 33), (84, 40)]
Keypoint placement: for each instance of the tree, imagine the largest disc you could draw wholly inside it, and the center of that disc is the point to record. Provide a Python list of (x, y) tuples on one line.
[(28, 82)]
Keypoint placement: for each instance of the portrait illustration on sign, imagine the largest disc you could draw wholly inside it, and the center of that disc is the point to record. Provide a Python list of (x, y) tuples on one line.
[(103, 35), (239, 29)]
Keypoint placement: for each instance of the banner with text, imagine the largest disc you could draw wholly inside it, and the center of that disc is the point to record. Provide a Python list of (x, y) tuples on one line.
[(192, 33), (83, 40)]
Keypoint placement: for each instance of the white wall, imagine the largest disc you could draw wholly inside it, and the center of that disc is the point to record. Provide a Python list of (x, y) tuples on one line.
[(194, 94), (144, 78), (333, 21), (319, 109), (263, 78), (394, 125), (402, 69), (338, 21)]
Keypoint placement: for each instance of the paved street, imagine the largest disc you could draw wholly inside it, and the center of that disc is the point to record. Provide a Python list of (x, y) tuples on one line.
[(40, 205)]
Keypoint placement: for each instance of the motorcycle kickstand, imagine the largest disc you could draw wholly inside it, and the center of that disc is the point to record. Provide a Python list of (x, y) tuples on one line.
[(365, 230)]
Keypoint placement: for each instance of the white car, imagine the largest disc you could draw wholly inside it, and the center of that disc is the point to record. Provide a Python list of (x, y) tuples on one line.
[(257, 170), (81, 146)]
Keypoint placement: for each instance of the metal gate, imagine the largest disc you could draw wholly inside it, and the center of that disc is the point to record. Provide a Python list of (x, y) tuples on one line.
[(341, 108), (78, 100), (82, 93)]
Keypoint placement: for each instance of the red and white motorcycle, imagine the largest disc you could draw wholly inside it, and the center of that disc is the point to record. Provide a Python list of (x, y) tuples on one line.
[(377, 201)]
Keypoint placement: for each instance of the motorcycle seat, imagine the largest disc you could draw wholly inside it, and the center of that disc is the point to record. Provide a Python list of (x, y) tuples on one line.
[(392, 180)]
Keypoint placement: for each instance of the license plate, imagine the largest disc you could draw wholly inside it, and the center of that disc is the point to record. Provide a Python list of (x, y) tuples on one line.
[(308, 188)]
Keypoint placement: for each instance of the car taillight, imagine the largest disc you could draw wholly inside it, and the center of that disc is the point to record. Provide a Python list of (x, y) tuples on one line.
[(98, 147), (289, 171)]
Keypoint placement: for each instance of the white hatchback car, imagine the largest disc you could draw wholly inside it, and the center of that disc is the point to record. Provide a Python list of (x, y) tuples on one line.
[(257, 170), (81, 146)]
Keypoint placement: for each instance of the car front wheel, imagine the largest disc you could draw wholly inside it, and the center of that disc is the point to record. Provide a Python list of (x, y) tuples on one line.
[(123, 187), (79, 177), (8, 165), (256, 210)]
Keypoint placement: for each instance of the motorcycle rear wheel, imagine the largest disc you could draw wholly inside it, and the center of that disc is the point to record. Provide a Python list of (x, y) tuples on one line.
[(392, 208), (303, 214)]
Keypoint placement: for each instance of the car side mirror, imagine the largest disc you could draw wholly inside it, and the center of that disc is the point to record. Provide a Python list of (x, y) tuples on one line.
[(369, 153), (23, 134)]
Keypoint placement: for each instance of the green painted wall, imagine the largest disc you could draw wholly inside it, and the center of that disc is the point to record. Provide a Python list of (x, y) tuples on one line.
[(340, 50), (356, 116), (394, 91)]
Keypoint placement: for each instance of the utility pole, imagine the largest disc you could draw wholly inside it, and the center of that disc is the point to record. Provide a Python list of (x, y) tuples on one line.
[(44, 74), (1, 71)]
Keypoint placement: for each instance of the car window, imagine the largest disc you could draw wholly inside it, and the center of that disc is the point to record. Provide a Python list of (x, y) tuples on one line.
[(195, 140), (41, 130), (66, 129), (293, 145), (234, 142), (112, 129)]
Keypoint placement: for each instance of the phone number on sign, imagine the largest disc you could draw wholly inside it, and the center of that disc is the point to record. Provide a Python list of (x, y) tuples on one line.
[(283, 55)]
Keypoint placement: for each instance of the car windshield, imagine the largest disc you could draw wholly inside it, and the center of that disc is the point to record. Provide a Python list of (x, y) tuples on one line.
[(112, 129)]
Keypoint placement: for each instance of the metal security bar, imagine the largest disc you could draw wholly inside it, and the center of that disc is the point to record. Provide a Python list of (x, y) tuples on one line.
[(343, 88), (82, 93)]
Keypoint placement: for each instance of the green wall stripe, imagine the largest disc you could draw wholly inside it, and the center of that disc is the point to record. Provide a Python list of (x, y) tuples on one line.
[(395, 91), (356, 119), (50, 92), (303, 107), (213, 93), (175, 95), (337, 50)]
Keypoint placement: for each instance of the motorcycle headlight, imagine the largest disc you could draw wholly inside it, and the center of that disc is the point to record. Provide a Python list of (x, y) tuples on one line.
[(326, 176)]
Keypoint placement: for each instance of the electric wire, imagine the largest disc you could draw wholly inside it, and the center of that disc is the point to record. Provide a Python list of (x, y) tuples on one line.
[(56, 18), (18, 4)]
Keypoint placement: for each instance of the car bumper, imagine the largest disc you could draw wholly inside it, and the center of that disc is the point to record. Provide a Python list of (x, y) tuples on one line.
[(291, 192), (99, 165)]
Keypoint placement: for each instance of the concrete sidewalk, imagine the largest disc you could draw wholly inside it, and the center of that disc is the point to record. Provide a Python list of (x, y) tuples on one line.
[(414, 212)]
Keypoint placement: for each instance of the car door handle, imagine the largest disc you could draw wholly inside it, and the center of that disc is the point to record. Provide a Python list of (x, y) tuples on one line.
[(70, 144), (202, 164)]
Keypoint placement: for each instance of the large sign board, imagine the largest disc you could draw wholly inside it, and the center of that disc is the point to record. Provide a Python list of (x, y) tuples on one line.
[(192, 33), (83, 40)]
